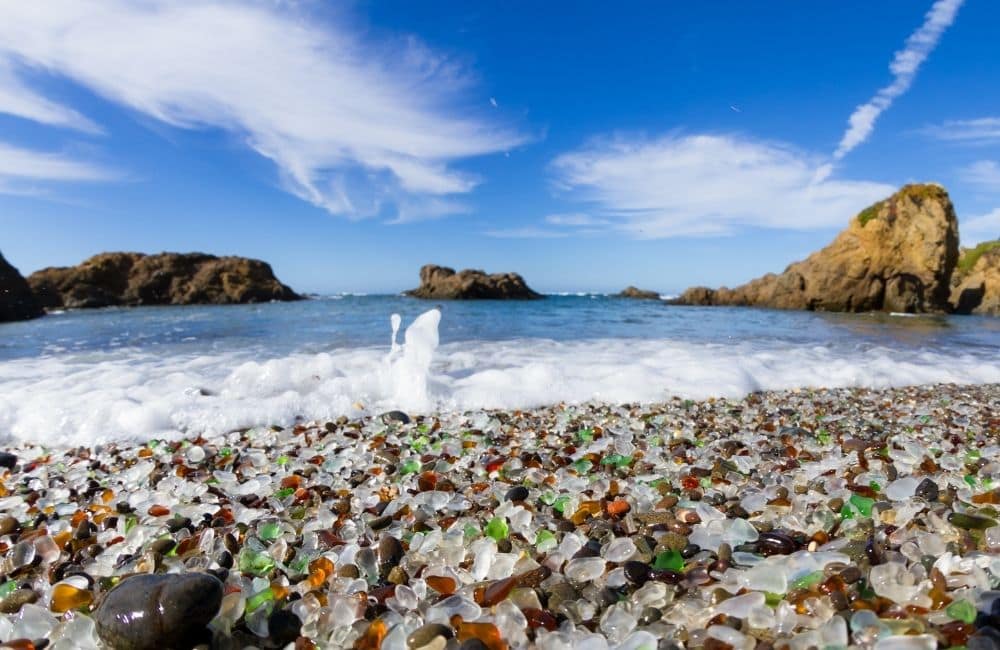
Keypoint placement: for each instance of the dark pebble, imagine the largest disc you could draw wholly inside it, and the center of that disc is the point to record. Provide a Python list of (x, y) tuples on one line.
[(85, 530), (851, 574), (163, 546), (177, 523), (284, 627), (395, 417), (519, 493), (775, 544), (390, 552), (224, 559), (159, 611), (637, 572), (689, 551), (928, 490)]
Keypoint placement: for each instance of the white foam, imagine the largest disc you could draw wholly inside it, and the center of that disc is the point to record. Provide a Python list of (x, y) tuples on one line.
[(128, 394)]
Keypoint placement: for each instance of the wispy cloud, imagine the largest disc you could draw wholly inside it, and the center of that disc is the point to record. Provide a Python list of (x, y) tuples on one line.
[(353, 126), (904, 67), (527, 232), (27, 172), (981, 228), (983, 130), (706, 185), (985, 174), (19, 100), (411, 210), (576, 219)]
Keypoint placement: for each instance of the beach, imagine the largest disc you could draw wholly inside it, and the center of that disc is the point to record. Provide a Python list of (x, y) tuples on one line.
[(802, 518)]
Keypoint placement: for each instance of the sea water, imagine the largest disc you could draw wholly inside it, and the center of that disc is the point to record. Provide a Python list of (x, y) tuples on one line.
[(92, 376)]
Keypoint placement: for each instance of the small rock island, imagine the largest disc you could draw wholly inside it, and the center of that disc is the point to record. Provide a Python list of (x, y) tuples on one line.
[(443, 283), (637, 294), (133, 279)]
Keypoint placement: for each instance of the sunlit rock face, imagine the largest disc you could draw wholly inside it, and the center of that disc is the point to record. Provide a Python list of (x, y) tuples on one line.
[(898, 255)]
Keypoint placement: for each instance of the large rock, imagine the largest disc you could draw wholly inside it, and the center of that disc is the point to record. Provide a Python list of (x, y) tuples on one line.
[(157, 612), (976, 283), (132, 279), (442, 283), (897, 255), (16, 300), (640, 294)]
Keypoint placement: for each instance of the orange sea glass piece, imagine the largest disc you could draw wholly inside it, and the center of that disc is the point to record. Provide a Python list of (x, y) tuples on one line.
[(487, 633), (373, 636), (66, 597), (442, 584)]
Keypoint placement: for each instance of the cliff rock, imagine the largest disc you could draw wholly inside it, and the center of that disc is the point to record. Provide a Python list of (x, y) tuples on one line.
[(897, 256), (16, 300), (976, 283), (442, 283), (132, 279)]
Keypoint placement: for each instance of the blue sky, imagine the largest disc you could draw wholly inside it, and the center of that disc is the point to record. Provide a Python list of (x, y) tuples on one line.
[(585, 145)]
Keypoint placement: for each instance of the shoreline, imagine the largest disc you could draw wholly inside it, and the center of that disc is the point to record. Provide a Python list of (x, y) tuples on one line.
[(784, 515)]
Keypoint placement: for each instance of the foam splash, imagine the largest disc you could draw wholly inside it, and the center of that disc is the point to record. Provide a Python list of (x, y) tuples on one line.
[(408, 372), (72, 399)]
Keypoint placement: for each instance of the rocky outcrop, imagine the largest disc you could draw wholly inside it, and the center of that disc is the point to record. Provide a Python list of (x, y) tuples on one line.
[(16, 300), (976, 283), (132, 279), (897, 256), (442, 283), (640, 294)]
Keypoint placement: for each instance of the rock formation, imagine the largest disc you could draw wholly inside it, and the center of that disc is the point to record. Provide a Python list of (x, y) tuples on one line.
[(132, 279), (897, 255), (16, 300), (976, 283), (635, 292), (442, 283)]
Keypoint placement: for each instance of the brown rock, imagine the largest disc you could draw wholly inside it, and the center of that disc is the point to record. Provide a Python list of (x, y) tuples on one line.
[(16, 300), (442, 283), (976, 283), (641, 294), (897, 255), (132, 279)]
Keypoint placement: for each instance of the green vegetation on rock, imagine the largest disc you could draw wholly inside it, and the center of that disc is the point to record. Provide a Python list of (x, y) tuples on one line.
[(921, 191), (869, 213), (970, 256)]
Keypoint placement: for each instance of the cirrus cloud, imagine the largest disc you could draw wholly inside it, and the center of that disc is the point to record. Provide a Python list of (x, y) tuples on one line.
[(706, 185), (351, 125)]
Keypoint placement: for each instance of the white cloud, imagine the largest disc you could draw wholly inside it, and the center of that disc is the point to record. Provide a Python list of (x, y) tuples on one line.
[(20, 101), (904, 68), (351, 125), (981, 228), (23, 171), (577, 219), (984, 130), (707, 185), (527, 232), (425, 209), (983, 173)]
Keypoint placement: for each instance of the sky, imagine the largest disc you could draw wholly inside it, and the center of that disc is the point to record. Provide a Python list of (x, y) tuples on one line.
[(588, 146)]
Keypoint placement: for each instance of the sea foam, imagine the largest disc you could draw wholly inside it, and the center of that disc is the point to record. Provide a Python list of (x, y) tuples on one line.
[(70, 399)]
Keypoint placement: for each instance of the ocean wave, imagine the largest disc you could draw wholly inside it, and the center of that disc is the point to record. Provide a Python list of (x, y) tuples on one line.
[(131, 394)]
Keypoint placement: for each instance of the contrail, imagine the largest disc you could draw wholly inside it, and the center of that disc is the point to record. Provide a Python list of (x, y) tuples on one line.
[(904, 68)]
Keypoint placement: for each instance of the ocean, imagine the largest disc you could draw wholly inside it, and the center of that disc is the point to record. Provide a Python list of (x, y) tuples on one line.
[(95, 376)]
